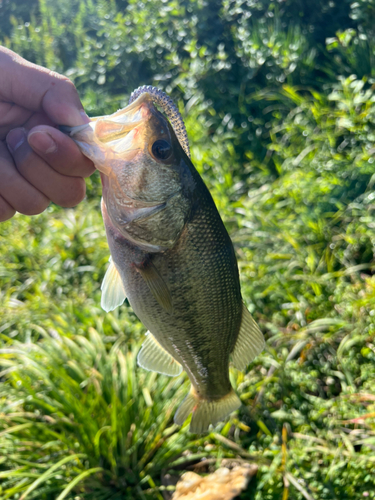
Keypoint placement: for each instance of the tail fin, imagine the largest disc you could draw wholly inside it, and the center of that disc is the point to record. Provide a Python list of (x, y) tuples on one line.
[(205, 411)]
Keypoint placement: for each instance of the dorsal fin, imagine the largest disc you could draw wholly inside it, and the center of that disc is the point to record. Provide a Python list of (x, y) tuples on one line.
[(113, 294), (154, 357), (250, 341)]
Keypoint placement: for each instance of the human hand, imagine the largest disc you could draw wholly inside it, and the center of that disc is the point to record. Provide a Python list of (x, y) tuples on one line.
[(38, 163)]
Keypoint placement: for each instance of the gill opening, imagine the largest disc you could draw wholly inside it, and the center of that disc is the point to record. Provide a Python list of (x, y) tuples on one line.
[(169, 108)]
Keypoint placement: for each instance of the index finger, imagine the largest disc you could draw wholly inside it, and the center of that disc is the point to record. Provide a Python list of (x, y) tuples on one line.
[(39, 89), (62, 154)]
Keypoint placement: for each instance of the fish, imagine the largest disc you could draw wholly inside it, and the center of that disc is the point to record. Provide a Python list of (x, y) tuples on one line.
[(171, 255)]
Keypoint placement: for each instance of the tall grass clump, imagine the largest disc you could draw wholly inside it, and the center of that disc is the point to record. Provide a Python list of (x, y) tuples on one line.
[(74, 410)]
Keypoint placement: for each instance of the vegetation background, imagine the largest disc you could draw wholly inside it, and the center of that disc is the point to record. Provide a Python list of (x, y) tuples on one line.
[(279, 102)]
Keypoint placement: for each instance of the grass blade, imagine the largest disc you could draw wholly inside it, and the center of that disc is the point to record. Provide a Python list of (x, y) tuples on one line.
[(48, 473), (76, 480)]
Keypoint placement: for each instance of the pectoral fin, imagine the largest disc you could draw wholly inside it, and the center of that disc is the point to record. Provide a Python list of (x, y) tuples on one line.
[(154, 357), (113, 294), (157, 286), (250, 341)]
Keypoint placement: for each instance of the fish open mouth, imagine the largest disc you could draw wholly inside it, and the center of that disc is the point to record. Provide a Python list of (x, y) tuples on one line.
[(115, 136)]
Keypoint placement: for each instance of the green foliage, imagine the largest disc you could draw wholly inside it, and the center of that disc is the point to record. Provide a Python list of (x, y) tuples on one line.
[(279, 105), (89, 409)]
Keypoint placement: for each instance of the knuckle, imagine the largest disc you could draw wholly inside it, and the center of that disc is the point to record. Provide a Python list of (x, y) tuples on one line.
[(74, 194), (68, 84), (57, 76), (62, 81), (53, 74)]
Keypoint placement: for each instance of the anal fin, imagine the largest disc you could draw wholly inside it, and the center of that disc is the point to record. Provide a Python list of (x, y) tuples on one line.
[(157, 285), (250, 341), (113, 294), (154, 357)]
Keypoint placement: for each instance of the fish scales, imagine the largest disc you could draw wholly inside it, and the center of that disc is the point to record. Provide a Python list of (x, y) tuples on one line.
[(172, 257)]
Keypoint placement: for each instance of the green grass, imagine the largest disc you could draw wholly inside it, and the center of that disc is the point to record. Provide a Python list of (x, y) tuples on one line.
[(89, 411)]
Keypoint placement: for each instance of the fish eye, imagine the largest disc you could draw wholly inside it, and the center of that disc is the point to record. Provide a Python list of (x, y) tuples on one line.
[(161, 149)]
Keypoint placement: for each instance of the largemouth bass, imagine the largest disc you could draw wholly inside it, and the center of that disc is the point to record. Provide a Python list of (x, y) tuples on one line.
[(171, 255)]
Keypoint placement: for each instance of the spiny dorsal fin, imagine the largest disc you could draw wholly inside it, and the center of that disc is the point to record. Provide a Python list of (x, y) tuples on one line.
[(113, 294), (250, 341), (157, 286), (154, 357)]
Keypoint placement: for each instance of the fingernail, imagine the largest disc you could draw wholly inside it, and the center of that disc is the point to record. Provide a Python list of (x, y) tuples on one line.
[(42, 142), (16, 138)]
